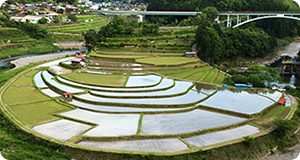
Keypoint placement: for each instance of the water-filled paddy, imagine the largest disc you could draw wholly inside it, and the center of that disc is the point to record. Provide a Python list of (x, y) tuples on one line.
[(165, 83), (96, 72), (192, 121), (190, 97), (49, 78), (149, 145), (39, 81), (221, 136), (273, 95), (109, 124), (61, 129), (50, 93), (148, 80), (237, 101), (179, 87), (122, 109), (204, 88)]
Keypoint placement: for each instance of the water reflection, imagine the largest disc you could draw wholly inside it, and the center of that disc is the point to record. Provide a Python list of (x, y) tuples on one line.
[(238, 101), (122, 109), (190, 97), (204, 88), (165, 83), (180, 87), (179, 123)]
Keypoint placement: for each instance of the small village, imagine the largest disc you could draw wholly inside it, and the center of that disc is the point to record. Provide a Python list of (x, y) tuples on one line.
[(35, 11)]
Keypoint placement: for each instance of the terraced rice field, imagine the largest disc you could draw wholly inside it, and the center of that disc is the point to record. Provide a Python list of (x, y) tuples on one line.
[(94, 22), (145, 113)]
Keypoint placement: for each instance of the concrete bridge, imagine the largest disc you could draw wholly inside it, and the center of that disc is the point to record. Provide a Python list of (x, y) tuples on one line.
[(250, 16), (141, 14), (242, 18)]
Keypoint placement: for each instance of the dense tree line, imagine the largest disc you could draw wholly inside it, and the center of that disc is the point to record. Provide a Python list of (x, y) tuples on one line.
[(214, 44), (255, 75)]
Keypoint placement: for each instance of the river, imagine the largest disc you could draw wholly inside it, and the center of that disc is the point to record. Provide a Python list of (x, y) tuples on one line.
[(289, 52)]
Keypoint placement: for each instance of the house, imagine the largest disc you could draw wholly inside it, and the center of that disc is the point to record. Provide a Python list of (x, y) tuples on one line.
[(191, 54), (12, 14), (29, 7), (242, 86), (33, 19), (20, 15), (129, 46), (72, 9), (281, 101), (76, 60), (67, 97)]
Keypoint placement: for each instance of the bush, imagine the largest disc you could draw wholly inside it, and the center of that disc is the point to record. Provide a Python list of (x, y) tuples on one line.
[(249, 140), (70, 66)]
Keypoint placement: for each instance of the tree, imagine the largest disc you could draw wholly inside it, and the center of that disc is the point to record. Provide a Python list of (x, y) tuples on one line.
[(255, 80), (209, 43), (211, 13), (129, 30), (238, 78), (57, 19), (268, 74), (284, 127), (90, 38), (61, 11), (43, 20), (72, 17)]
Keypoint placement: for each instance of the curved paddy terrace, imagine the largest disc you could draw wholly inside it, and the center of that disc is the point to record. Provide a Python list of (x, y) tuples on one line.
[(166, 112)]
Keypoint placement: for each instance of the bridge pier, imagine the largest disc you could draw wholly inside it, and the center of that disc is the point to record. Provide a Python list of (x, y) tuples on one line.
[(238, 19), (229, 21)]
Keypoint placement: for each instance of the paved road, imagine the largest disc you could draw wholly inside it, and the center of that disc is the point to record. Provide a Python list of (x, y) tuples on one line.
[(33, 59)]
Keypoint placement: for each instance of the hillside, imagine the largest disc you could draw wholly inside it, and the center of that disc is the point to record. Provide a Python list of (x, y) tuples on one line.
[(230, 5), (13, 36)]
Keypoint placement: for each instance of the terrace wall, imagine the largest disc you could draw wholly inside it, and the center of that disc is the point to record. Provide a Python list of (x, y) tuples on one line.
[(70, 44)]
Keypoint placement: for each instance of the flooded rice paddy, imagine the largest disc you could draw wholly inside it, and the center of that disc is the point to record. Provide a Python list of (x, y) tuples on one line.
[(237, 101), (39, 81), (108, 124), (50, 93), (179, 87), (179, 123), (138, 81), (165, 83), (149, 145), (50, 79), (152, 95), (123, 109), (221, 136), (188, 98), (62, 129)]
